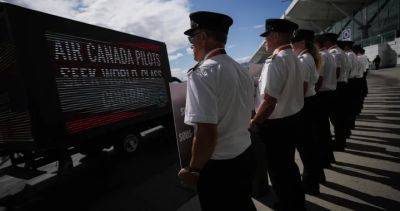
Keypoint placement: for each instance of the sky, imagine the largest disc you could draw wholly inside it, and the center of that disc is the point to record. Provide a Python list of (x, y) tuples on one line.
[(166, 20)]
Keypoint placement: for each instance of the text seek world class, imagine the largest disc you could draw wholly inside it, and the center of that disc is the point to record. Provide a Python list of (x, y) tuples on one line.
[(69, 51)]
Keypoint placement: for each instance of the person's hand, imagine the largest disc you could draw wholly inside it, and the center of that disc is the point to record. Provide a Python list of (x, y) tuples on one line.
[(250, 123), (253, 126), (189, 178)]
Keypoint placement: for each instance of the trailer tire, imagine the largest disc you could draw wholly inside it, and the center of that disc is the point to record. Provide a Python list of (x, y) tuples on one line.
[(128, 145)]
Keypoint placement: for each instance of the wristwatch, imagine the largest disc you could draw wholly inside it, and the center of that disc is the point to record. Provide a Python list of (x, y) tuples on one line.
[(193, 171)]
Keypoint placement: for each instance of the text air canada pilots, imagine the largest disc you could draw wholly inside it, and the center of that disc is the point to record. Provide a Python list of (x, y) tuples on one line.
[(307, 82)]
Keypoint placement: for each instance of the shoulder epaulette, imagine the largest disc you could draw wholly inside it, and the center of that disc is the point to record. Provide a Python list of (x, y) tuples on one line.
[(333, 50)]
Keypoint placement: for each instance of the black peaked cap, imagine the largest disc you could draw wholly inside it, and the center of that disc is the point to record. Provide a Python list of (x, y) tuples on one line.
[(331, 37), (302, 34), (209, 20), (279, 25)]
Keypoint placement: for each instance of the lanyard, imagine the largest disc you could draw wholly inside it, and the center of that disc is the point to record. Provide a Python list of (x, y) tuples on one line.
[(303, 52), (281, 48), (212, 53), (332, 47)]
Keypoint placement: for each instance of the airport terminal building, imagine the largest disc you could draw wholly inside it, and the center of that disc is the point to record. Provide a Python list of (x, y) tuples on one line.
[(374, 24)]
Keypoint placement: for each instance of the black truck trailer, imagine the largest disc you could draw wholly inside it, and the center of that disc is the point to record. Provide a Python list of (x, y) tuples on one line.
[(70, 85)]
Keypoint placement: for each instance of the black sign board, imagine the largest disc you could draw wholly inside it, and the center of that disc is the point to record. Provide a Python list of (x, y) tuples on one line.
[(184, 133), (76, 79)]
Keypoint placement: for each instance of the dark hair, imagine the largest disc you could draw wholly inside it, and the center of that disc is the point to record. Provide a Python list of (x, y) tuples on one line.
[(285, 36), (319, 40), (313, 50), (218, 36)]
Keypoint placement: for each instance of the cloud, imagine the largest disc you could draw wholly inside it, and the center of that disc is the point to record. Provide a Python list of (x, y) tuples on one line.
[(230, 46), (258, 26), (163, 20), (175, 57), (243, 59), (189, 51), (179, 73)]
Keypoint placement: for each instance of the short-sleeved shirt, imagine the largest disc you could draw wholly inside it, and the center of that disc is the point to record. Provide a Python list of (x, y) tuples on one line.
[(310, 73), (328, 72), (355, 66), (282, 78), (341, 62), (221, 92), (363, 59)]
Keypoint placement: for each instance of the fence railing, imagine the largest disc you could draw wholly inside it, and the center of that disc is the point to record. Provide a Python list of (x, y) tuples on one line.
[(378, 39)]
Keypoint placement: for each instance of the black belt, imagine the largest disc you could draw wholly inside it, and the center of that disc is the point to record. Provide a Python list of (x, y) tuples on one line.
[(290, 118)]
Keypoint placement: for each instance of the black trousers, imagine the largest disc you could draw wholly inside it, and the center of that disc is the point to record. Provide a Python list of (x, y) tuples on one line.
[(260, 183), (340, 114), (356, 93), (280, 137), (365, 85), (325, 111), (309, 146), (227, 184), (361, 93)]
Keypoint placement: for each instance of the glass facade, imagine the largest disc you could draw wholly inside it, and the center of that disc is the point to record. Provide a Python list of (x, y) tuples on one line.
[(382, 21)]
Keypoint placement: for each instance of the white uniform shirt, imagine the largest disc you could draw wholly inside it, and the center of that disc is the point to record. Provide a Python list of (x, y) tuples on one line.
[(221, 92), (328, 72), (341, 62), (282, 78), (363, 59), (310, 72), (355, 66)]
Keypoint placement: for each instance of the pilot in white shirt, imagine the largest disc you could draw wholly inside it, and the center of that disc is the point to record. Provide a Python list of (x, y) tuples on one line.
[(355, 66), (212, 90), (310, 72), (328, 71), (308, 147), (363, 59), (219, 104), (341, 62), (279, 80), (279, 114), (340, 104)]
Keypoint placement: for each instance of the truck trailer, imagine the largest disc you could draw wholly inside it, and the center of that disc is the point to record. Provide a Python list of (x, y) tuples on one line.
[(68, 85)]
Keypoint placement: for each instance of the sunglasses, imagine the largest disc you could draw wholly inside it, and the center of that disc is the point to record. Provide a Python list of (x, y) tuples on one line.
[(191, 37)]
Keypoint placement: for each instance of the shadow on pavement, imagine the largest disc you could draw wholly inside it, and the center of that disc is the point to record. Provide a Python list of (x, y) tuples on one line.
[(378, 201), (269, 200), (346, 203), (392, 178), (381, 142), (369, 155), (389, 178), (369, 148)]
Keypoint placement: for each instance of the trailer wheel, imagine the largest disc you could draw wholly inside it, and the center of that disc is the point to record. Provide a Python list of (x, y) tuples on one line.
[(131, 143), (128, 144)]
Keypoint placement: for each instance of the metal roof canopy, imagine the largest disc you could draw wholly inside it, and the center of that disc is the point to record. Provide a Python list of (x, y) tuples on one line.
[(317, 15)]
